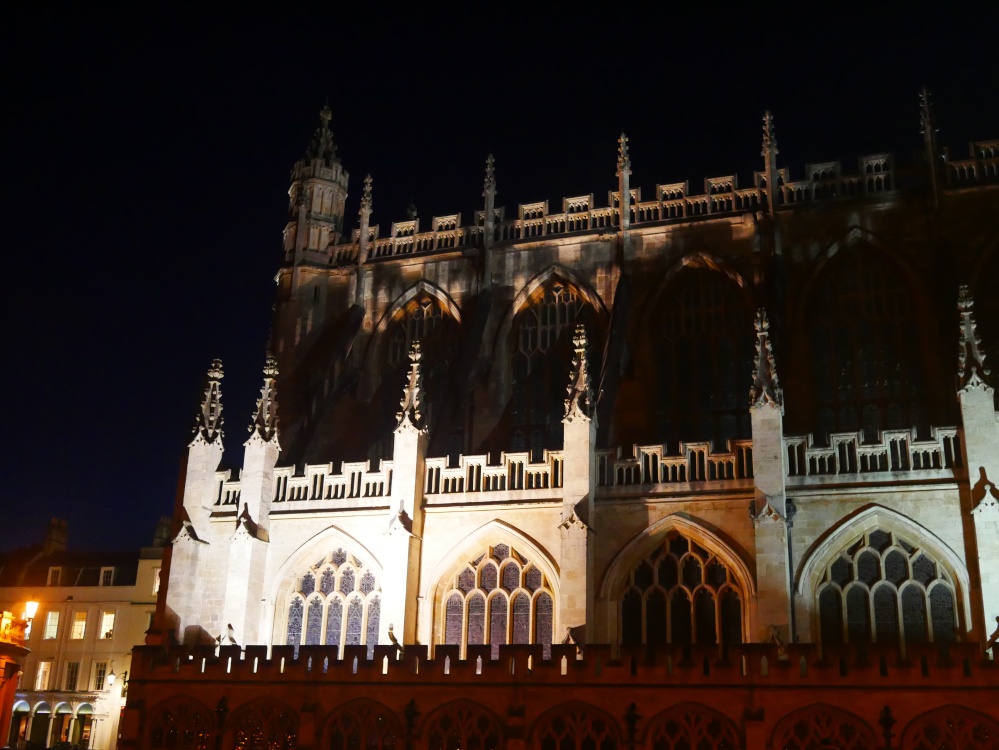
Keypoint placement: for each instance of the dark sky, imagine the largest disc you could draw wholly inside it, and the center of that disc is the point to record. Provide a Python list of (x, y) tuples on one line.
[(145, 161)]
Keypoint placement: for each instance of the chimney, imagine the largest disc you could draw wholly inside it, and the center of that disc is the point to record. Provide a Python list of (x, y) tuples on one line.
[(55, 537)]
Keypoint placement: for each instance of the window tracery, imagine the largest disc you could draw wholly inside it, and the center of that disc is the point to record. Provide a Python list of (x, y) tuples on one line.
[(463, 726), (821, 726), (264, 725), (364, 726), (690, 726), (704, 352), (680, 593), (577, 728), (500, 597), (952, 726), (882, 588), (345, 610), (182, 724), (542, 352), (865, 364)]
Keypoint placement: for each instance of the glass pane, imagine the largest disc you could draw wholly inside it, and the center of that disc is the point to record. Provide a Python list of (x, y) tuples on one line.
[(831, 616), (497, 623), (476, 620), (334, 622), (454, 620), (314, 626), (521, 618)]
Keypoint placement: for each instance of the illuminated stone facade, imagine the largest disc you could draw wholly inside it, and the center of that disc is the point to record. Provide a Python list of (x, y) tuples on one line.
[(720, 432)]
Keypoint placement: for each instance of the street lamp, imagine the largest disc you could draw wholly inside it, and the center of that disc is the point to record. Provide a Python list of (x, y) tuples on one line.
[(30, 610)]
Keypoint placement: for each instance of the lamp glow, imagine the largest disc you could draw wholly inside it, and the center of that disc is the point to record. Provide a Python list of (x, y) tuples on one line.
[(30, 610)]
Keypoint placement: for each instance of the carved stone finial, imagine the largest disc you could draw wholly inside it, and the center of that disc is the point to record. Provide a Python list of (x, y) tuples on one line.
[(366, 195), (411, 211), (971, 374), (579, 403), (208, 422), (623, 158), (410, 416), (766, 389), (322, 146), (927, 126), (769, 135), (489, 185), (265, 418)]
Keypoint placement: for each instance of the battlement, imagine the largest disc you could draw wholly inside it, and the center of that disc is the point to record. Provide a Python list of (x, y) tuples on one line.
[(739, 665), (875, 178)]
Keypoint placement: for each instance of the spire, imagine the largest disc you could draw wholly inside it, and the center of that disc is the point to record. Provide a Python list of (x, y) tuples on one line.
[(365, 215), (489, 185), (208, 422), (928, 127), (410, 416), (970, 346), (265, 418), (769, 154), (623, 159), (322, 146), (366, 196), (580, 395), (766, 389)]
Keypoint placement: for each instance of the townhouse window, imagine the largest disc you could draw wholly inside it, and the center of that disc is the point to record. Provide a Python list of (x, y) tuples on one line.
[(107, 625), (79, 626), (51, 625), (107, 576), (43, 674), (72, 675), (100, 675), (55, 576)]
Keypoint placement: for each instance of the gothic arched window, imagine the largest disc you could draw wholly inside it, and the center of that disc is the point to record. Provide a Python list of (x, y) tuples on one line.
[(463, 726), (542, 354), (364, 726), (952, 726), (500, 597), (704, 350), (680, 593), (423, 318), (882, 588), (821, 726), (182, 724), (264, 725), (577, 727), (689, 726), (865, 362), (343, 611)]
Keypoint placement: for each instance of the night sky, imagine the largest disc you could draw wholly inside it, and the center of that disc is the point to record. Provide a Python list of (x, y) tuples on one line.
[(145, 162)]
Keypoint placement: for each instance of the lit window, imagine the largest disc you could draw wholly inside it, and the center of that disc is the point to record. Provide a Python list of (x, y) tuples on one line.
[(100, 675), (156, 581), (51, 625), (107, 576), (79, 626), (107, 625), (42, 675), (72, 673), (55, 575)]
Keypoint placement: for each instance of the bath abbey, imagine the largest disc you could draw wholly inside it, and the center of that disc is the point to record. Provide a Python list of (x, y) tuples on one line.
[(707, 465)]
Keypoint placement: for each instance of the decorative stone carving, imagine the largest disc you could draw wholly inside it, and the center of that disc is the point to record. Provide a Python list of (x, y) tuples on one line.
[(769, 514), (410, 416), (973, 374), (572, 521), (623, 158), (489, 185), (580, 402), (322, 146), (766, 391), (927, 126), (366, 197), (208, 422), (265, 419)]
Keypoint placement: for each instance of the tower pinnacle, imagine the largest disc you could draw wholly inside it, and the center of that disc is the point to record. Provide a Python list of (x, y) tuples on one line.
[(579, 403), (322, 146), (971, 374), (489, 185), (928, 127), (623, 158), (769, 154), (766, 389), (208, 422), (410, 416), (265, 418)]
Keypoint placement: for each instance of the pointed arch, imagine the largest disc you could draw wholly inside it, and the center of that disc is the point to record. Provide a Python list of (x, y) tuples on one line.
[(363, 723), (691, 725), (950, 726), (579, 725), (692, 260), (642, 543), (873, 517), (376, 342), (466, 723), (180, 717), (264, 723), (492, 535), (822, 725)]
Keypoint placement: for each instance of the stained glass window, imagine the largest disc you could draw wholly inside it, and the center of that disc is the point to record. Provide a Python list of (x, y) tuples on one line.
[(476, 620), (295, 612), (463, 726), (181, 724), (334, 622), (498, 610), (367, 583), (347, 580), (264, 725), (329, 581), (454, 619), (891, 591), (308, 583), (660, 595), (314, 625), (364, 726), (521, 619), (511, 576), (355, 617), (374, 615)]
